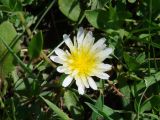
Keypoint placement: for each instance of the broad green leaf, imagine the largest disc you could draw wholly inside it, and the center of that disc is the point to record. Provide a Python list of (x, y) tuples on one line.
[(144, 37), (4, 8), (11, 5), (148, 81), (150, 116), (58, 111), (7, 34), (152, 79), (104, 20), (36, 45), (5, 2), (70, 8), (98, 4), (131, 62), (73, 104), (125, 90), (150, 103), (132, 1), (98, 18), (141, 58), (15, 5), (21, 84)]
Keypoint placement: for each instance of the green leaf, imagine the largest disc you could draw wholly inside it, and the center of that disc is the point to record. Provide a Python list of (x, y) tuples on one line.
[(58, 111), (35, 45), (70, 8), (15, 5), (73, 104), (148, 81), (141, 58), (109, 111), (28, 2), (150, 103), (99, 104), (12, 5), (131, 62), (7, 34), (105, 20), (98, 111), (98, 4), (132, 1), (98, 18), (5, 2), (123, 85), (152, 79)]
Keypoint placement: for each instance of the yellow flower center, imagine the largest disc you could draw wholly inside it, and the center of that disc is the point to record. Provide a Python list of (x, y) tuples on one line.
[(83, 61)]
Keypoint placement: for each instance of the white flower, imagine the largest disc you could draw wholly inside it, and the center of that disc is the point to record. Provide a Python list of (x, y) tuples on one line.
[(83, 60)]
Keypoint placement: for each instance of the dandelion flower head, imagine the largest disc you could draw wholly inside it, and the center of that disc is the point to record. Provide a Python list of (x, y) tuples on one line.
[(83, 60)]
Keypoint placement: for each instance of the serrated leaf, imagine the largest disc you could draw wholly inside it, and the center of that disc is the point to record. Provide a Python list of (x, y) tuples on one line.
[(70, 8), (58, 111), (35, 45)]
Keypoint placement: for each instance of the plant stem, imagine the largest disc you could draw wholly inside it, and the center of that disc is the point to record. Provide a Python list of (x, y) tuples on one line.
[(48, 8), (149, 32), (22, 19), (13, 109), (48, 60)]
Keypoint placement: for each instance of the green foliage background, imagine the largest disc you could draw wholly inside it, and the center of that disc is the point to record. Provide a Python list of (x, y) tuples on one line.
[(30, 87)]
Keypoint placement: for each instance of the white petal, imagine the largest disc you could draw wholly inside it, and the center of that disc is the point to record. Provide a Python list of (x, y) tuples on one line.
[(88, 40), (92, 83), (61, 69), (67, 71), (98, 44), (56, 59), (61, 53), (67, 81), (81, 90), (85, 82), (64, 69), (102, 75), (68, 42), (80, 85), (80, 36), (78, 81), (102, 55), (105, 67)]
